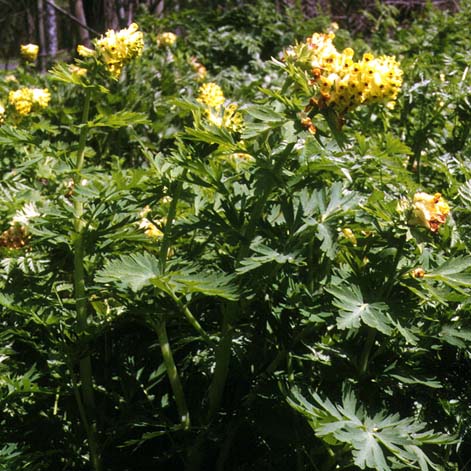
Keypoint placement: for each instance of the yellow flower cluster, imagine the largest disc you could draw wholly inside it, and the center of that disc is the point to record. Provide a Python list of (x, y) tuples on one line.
[(211, 95), (344, 84), (429, 211), (26, 100), (84, 51), (76, 70), (198, 68), (232, 119), (150, 229), (166, 39), (29, 52), (116, 49)]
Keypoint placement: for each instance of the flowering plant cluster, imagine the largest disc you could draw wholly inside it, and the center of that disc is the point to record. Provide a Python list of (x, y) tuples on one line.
[(25, 100), (211, 95), (29, 52), (340, 82), (116, 48)]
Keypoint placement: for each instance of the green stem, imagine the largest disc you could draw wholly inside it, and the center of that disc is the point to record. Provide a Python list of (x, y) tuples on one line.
[(85, 364), (389, 285), (172, 373), (189, 316), (365, 355), (221, 370), (172, 211)]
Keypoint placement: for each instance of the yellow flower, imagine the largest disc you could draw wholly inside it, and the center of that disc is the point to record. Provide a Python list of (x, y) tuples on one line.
[(41, 97), (116, 49), (150, 229), (166, 39), (211, 94), (14, 238), (21, 100), (2, 114), (25, 100), (417, 272), (29, 52), (348, 234), (199, 69), (84, 51), (76, 70), (232, 119), (384, 78), (429, 211), (342, 83)]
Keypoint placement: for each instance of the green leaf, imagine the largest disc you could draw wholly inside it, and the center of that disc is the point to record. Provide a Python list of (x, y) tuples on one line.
[(451, 273), (460, 338), (130, 271), (118, 119), (430, 383), (267, 119), (375, 442), (354, 311), (210, 135), (265, 113), (207, 283), (265, 255), (452, 266), (138, 271), (13, 136)]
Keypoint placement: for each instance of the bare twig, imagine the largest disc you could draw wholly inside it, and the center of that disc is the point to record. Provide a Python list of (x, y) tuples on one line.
[(72, 17)]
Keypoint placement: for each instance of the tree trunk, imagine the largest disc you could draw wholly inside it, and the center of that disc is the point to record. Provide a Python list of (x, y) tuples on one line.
[(159, 8), (111, 14), (31, 26), (51, 28), (80, 14), (42, 37)]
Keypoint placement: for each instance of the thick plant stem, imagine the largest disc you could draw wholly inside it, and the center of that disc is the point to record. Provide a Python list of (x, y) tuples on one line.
[(172, 211), (85, 364), (189, 316), (223, 356), (164, 251), (365, 355), (172, 373), (160, 325)]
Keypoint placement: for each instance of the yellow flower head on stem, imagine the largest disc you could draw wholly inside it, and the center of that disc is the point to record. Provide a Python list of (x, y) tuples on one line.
[(429, 211), (211, 94), (84, 51), (150, 229), (166, 39), (198, 68), (26, 100), (341, 83), (116, 49), (29, 52)]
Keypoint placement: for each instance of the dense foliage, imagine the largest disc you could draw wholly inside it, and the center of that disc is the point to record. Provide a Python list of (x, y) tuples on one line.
[(213, 256)]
